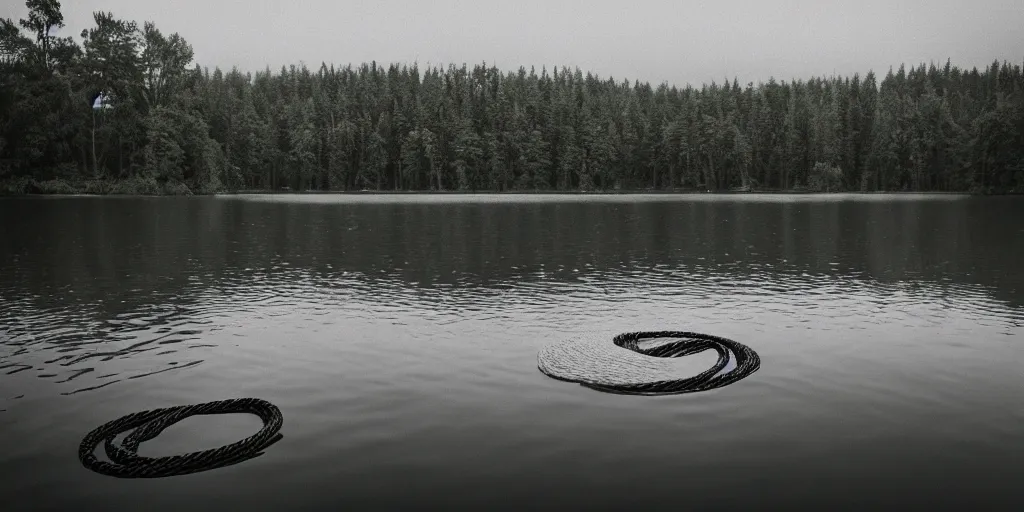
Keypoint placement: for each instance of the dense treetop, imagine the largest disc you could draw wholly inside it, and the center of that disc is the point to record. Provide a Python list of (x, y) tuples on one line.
[(125, 110)]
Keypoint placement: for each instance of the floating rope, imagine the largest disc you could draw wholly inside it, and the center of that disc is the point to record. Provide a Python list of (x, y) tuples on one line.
[(638, 370), (127, 463)]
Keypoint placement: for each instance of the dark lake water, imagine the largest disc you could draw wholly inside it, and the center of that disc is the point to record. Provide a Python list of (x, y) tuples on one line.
[(399, 337)]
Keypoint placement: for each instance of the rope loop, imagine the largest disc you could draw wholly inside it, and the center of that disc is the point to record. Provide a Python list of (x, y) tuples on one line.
[(575, 361), (125, 462)]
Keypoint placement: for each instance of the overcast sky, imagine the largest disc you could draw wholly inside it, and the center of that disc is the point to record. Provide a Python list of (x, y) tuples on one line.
[(675, 41)]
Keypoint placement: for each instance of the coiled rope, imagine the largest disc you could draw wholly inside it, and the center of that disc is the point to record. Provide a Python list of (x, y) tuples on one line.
[(125, 462), (639, 370)]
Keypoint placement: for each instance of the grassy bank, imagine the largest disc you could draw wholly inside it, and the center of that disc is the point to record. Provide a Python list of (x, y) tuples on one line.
[(135, 186)]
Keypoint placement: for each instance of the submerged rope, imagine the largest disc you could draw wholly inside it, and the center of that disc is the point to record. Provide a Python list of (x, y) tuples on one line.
[(604, 367), (127, 463)]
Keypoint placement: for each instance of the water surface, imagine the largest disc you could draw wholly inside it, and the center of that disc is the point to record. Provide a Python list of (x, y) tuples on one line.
[(399, 336)]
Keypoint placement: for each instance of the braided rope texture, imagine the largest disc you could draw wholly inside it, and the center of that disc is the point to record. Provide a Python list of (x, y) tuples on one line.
[(645, 370), (125, 462)]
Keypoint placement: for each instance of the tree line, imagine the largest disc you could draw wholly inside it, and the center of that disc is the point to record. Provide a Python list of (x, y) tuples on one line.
[(125, 110)]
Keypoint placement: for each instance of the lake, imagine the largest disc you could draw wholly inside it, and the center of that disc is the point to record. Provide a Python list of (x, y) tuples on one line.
[(399, 337)]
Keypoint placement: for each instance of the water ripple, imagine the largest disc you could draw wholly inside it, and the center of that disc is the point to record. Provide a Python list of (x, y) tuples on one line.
[(89, 351)]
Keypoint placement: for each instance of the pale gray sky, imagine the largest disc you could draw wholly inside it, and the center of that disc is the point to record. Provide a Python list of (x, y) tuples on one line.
[(675, 41)]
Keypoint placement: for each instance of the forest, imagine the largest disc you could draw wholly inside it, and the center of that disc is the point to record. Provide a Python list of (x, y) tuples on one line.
[(124, 109)]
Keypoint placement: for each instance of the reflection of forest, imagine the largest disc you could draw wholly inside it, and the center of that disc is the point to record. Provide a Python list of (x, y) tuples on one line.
[(131, 253)]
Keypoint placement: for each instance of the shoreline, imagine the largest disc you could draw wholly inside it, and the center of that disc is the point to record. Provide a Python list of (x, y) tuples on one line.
[(147, 188), (638, 192), (623, 192)]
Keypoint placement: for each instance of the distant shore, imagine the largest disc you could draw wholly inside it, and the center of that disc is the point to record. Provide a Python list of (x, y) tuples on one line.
[(621, 192), (151, 188)]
